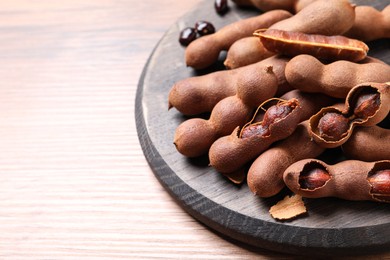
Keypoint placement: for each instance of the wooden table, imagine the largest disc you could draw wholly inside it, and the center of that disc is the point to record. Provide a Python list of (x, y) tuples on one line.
[(74, 182)]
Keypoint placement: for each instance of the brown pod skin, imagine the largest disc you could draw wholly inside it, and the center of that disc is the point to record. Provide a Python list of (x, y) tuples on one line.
[(370, 24), (336, 79), (230, 153), (205, 50), (349, 180), (195, 136), (326, 17), (368, 144), (238, 55), (267, 5), (200, 94), (320, 46), (265, 176), (342, 126)]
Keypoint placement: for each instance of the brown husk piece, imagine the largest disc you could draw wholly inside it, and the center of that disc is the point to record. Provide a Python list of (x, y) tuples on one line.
[(288, 208)]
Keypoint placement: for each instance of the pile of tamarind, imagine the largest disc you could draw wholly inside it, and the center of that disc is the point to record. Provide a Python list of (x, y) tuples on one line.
[(298, 82)]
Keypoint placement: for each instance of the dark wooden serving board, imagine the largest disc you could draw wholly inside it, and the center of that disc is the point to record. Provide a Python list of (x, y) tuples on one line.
[(331, 227)]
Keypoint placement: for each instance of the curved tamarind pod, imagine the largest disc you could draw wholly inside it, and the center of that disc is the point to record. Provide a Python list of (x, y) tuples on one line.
[(266, 5), (265, 175), (238, 55), (325, 17), (230, 153), (195, 136), (366, 104), (320, 46), (196, 95), (205, 50), (306, 73), (349, 180), (368, 144), (370, 24)]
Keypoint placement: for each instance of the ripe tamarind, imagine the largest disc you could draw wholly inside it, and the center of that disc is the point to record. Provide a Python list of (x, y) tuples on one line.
[(349, 179), (336, 79)]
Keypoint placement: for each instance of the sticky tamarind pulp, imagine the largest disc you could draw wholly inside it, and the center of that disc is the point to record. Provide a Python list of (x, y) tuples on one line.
[(320, 46), (350, 179), (273, 115)]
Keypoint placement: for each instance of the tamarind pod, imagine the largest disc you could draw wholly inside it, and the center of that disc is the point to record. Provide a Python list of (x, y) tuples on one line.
[(266, 5), (349, 180), (333, 17), (199, 94), (230, 153), (205, 50), (238, 56), (325, 17), (320, 46), (194, 136), (196, 95), (366, 104), (368, 144), (370, 24), (265, 175), (308, 74)]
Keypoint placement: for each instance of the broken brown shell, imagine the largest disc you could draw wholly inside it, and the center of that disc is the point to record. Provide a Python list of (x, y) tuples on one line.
[(382, 105), (320, 46), (349, 180)]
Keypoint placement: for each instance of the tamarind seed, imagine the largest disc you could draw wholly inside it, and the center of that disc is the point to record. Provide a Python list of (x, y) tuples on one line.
[(333, 126), (380, 182), (221, 6), (204, 28), (366, 105), (187, 35), (313, 178)]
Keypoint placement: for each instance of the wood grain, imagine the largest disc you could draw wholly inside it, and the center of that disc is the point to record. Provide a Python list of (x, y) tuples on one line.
[(74, 182)]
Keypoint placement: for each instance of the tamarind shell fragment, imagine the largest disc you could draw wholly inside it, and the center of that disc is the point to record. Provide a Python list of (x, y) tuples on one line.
[(230, 153), (320, 46), (345, 128), (350, 180)]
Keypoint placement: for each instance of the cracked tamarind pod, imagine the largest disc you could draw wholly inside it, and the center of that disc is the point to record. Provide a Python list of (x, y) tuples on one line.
[(324, 17), (368, 144), (199, 94), (230, 153), (320, 46), (308, 74), (204, 51), (367, 104), (349, 180), (194, 136)]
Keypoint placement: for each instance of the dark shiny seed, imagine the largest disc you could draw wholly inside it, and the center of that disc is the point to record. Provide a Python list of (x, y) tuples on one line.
[(221, 6), (204, 28), (187, 35)]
